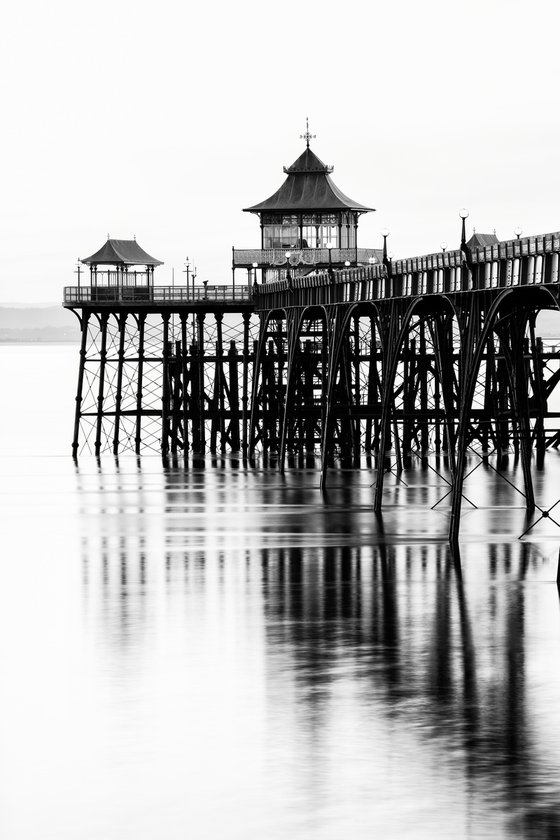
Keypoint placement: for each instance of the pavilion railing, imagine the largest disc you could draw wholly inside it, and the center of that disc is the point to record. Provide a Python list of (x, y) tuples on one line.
[(271, 257)]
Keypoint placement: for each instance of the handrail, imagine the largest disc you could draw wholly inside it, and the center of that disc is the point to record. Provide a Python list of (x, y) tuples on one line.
[(155, 294), (274, 257)]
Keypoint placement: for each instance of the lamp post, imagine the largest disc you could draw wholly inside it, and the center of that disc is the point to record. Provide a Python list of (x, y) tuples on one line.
[(255, 266), (186, 271), (288, 255), (518, 231), (466, 259), (443, 247), (385, 234), (79, 273), (463, 215), (331, 273)]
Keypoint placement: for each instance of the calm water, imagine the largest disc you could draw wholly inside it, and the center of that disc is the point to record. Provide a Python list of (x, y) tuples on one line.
[(224, 653)]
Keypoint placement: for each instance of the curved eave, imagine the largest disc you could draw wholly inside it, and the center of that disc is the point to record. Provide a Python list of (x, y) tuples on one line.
[(121, 252), (305, 192)]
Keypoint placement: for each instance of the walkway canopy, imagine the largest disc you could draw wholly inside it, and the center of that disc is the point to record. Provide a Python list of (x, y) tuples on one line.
[(121, 252)]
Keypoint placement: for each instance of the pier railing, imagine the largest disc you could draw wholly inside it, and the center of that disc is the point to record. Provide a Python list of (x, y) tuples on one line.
[(530, 261), (149, 295)]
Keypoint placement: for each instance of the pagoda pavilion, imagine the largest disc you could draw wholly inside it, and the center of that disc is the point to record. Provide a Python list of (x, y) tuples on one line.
[(307, 224)]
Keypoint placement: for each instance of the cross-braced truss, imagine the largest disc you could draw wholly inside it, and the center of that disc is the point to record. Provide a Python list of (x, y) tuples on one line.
[(163, 383)]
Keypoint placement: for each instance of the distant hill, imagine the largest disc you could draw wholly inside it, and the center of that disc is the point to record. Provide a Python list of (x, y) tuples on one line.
[(42, 324)]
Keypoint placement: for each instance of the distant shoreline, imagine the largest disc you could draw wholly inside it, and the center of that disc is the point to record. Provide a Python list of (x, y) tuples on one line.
[(38, 325), (34, 341)]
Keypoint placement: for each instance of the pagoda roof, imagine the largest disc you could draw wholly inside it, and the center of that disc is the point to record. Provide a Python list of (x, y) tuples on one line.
[(308, 187), (121, 252)]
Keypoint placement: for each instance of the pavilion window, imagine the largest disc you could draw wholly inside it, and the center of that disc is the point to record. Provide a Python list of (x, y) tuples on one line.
[(328, 236), (309, 236), (280, 236)]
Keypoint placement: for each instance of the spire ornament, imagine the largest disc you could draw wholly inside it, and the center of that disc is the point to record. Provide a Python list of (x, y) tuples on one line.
[(307, 136)]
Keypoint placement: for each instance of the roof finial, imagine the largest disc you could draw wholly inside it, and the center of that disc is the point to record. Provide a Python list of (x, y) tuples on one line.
[(307, 136)]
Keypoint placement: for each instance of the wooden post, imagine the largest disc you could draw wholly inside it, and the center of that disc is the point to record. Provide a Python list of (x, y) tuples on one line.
[(184, 350), (118, 398), (201, 390), (245, 395), (141, 319), (233, 358), (195, 398), (100, 394), (85, 326), (165, 387)]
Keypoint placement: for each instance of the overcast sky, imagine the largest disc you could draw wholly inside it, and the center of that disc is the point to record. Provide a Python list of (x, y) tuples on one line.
[(163, 120)]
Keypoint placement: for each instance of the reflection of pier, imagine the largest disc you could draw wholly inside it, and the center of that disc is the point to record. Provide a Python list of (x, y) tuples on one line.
[(441, 653), (428, 646)]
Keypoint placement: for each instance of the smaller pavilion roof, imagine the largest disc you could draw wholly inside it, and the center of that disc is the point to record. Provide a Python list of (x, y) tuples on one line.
[(121, 252)]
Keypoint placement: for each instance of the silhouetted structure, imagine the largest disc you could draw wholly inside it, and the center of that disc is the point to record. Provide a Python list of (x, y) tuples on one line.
[(354, 352)]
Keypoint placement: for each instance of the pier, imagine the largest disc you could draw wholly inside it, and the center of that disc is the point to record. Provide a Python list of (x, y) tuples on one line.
[(324, 349)]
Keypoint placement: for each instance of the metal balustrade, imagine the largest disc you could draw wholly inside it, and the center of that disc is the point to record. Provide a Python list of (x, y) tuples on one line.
[(147, 295), (276, 257)]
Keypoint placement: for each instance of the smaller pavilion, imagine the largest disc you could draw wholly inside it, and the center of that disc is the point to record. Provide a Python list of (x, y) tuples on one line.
[(121, 257)]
